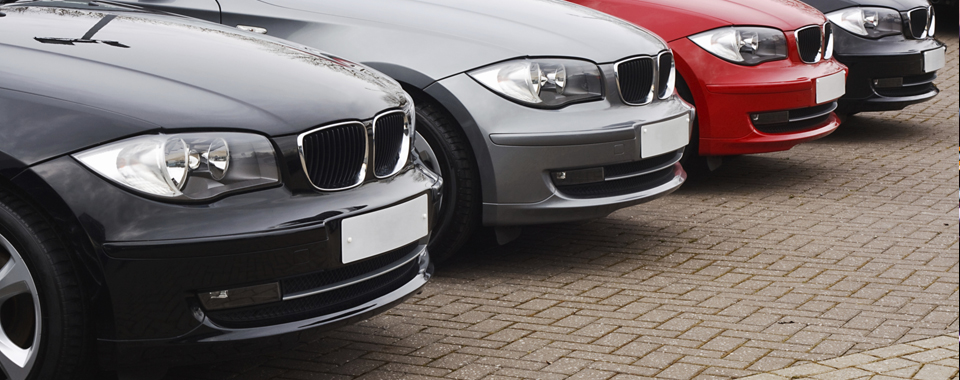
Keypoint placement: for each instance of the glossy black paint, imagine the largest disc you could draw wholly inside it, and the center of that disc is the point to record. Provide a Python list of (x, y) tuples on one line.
[(97, 91), (888, 57), (145, 260), (827, 6)]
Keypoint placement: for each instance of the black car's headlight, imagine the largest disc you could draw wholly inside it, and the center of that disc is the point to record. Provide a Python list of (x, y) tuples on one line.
[(186, 167), (748, 46), (868, 22), (544, 83)]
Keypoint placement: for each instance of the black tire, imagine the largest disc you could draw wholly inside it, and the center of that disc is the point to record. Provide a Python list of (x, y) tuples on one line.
[(66, 343), (693, 163), (459, 214)]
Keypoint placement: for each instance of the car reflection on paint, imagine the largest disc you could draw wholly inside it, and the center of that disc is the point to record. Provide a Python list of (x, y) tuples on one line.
[(174, 191)]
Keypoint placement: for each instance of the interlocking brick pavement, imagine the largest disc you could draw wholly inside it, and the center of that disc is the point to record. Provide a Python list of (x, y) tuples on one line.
[(929, 359), (837, 247)]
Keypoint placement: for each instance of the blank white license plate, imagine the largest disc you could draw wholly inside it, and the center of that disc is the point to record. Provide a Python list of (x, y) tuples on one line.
[(382, 231), (934, 60), (831, 87), (664, 137)]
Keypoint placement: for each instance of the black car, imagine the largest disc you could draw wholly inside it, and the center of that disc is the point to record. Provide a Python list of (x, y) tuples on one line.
[(174, 191), (890, 49)]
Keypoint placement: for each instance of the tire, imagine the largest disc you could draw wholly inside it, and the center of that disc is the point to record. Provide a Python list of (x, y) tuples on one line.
[(38, 279), (693, 163), (443, 147)]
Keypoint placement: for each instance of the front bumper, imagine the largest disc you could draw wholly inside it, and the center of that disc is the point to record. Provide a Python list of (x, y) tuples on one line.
[(886, 74), (157, 259), (728, 95), (520, 150)]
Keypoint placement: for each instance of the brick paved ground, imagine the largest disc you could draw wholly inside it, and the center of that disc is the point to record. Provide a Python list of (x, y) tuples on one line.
[(838, 247)]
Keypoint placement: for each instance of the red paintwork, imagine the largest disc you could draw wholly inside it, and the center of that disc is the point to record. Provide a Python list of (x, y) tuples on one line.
[(725, 93)]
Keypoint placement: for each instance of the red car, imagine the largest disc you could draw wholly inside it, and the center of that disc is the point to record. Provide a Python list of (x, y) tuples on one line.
[(760, 72)]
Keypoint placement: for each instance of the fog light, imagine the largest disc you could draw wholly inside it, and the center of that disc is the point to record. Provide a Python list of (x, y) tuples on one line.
[(577, 177), (240, 297), (888, 83), (770, 118)]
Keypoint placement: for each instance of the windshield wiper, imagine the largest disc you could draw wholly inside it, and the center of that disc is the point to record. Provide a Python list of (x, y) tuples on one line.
[(73, 41), (87, 38)]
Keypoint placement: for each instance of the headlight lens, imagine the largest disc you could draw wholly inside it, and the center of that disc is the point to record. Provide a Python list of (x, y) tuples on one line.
[(545, 83), (744, 45), (868, 22), (187, 167)]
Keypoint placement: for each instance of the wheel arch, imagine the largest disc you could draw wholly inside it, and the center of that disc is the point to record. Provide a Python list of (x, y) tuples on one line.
[(438, 94), (29, 188)]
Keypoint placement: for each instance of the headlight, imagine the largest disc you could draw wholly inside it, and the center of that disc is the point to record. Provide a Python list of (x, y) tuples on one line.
[(187, 167), (744, 45), (546, 83), (868, 22)]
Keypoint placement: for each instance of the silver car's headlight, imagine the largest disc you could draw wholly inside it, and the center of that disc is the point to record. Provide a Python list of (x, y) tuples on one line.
[(744, 45), (544, 83), (868, 22), (186, 167)]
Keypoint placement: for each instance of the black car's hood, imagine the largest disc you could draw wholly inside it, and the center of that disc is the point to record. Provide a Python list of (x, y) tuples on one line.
[(173, 72), (827, 6)]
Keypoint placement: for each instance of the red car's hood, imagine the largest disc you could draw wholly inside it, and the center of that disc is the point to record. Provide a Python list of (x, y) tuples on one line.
[(673, 19)]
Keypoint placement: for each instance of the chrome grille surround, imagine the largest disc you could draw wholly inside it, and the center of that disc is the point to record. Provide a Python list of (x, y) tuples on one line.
[(391, 143), (810, 47), (918, 22), (638, 79), (348, 168), (666, 79)]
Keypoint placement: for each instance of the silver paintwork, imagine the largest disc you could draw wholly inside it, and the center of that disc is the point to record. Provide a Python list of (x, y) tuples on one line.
[(429, 45)]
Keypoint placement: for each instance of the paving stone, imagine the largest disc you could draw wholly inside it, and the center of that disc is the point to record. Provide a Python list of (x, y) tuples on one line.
[(935, 372), (838, 254)]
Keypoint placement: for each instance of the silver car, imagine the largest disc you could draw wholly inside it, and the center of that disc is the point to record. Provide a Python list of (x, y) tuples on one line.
[(533, 111)]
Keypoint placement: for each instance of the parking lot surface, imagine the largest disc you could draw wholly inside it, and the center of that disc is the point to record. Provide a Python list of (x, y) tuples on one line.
[(838, 251)]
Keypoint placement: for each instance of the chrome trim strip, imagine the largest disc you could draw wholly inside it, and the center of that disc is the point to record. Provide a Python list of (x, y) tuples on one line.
[(648, 171), (796, 40), (366, 154), (414, 256), (653, 86), (404, 148), (833, 107)]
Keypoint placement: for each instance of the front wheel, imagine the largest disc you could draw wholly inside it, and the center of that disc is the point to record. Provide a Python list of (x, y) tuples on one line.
[(444, 149), (43, 325)]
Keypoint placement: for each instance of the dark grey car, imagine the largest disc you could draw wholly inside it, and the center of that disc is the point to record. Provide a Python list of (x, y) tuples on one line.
[(533, 111)]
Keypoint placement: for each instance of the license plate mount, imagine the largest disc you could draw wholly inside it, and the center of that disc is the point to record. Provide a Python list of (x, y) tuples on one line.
[(382, 231)]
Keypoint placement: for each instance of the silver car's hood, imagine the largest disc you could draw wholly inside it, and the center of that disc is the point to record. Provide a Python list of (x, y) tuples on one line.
[(440, 38)]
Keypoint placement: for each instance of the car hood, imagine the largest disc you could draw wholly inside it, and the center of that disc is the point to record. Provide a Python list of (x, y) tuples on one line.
[(175, 73), (441, 38), (827, 6), (673, 19)]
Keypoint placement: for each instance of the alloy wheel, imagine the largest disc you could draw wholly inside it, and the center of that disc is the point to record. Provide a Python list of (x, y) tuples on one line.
[(19, 314)]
